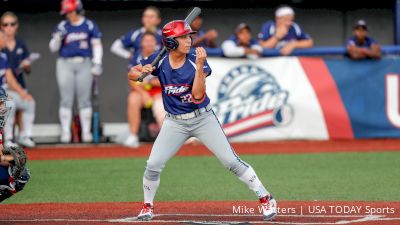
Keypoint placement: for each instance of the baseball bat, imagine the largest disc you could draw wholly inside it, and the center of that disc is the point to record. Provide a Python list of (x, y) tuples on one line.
[(96, 114), (189, 19)]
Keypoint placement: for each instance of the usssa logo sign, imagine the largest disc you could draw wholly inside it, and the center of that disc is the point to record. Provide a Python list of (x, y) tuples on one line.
[(249, 98)]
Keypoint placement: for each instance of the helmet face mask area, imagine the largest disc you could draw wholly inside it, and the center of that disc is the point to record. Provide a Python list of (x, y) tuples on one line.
[(5, 107), (174, 29)]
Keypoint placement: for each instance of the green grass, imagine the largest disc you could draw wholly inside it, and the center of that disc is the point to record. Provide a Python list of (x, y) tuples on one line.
[(328, 176)]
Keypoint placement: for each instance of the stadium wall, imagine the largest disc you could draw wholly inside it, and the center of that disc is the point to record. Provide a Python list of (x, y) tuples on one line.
[(327, 27)]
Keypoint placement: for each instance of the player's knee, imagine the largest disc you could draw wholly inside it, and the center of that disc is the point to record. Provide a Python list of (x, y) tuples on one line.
[(134, 98), (237, 167), (151, 175), (66, 103), (83, 104), (30, 106)]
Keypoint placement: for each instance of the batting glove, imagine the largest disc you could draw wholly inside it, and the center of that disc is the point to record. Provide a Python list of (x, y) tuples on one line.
[(97, 69)]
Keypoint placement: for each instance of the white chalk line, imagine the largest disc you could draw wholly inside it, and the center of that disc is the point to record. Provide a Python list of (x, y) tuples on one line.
[(360, 219)]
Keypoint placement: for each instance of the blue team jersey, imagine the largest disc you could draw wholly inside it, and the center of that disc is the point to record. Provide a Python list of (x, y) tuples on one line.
[(367, 42), (295, 33), (137, 58), (236, 40), (4, 175), (77, 38), (15, 57), (177, 84), (133, 39), (3, 67)]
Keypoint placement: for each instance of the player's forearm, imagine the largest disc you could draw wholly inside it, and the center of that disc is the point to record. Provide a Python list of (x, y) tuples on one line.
[(374, 52), (55, 44), (270, 42), (230, 49), (97, 49), (304, 43), (118, 48), (199, 84)]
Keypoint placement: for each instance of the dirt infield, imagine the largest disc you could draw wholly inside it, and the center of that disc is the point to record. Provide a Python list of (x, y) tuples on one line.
[(290, 212), (286, 147)]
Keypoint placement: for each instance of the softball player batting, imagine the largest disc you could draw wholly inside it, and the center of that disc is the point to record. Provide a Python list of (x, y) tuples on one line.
[(77, 40), (189, 114)]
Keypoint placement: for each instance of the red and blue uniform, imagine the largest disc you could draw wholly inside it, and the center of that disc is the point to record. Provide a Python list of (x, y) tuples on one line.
[(177, 84), (76, 38)]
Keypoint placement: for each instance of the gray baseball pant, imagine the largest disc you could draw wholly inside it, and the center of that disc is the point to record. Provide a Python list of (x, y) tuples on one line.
[(74, 79), (175, 132)]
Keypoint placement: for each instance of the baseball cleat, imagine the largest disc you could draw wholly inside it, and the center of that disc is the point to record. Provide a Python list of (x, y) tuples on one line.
[(146, 213), (268, 205)]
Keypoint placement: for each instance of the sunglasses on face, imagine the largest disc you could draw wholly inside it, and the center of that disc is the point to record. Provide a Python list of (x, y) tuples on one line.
[(9, 24)]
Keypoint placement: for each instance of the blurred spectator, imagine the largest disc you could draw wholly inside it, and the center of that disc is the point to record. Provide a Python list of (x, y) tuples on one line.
[(21, 99), (77, 39), (18, 60), (284, 33), (361, 46), (241, 44), (126, 46), (202, 38), (144, 94)]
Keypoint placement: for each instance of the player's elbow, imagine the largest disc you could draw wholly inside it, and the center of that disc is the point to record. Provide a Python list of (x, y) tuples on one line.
[(198, 94)]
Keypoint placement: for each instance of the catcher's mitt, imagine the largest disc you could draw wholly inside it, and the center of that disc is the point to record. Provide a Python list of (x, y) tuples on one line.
[(18, 164)]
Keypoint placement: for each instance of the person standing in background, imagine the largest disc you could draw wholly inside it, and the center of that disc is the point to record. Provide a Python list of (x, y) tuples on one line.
[(126, 45), (283, 33), (18, 59), (77, 39), (203, 38)]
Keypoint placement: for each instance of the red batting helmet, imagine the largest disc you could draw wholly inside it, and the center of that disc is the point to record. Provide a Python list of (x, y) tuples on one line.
[(173, 29), (68, 6)]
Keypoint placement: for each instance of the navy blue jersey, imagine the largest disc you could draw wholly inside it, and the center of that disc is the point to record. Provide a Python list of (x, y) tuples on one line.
[(177, 84), (4, 175), (77, 38), (3, 67), (137, 58), (295, 33), (133, 39), (15, 57), (366, 44)]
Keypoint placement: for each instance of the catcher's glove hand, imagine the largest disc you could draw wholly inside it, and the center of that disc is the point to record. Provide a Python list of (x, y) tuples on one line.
[(18, 164)]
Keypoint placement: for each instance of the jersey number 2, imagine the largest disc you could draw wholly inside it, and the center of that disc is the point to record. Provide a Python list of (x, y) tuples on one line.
[(186, 98)]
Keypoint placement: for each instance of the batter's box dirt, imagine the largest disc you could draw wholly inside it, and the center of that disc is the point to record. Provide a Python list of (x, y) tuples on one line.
[(210, 212)]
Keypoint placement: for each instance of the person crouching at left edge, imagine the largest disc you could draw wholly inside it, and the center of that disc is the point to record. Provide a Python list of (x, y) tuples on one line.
[(77, 39), (13, 173)]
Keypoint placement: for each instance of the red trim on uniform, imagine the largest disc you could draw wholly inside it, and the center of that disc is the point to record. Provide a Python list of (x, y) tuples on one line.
[(260, 125), (248, 118), (335, 114)]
